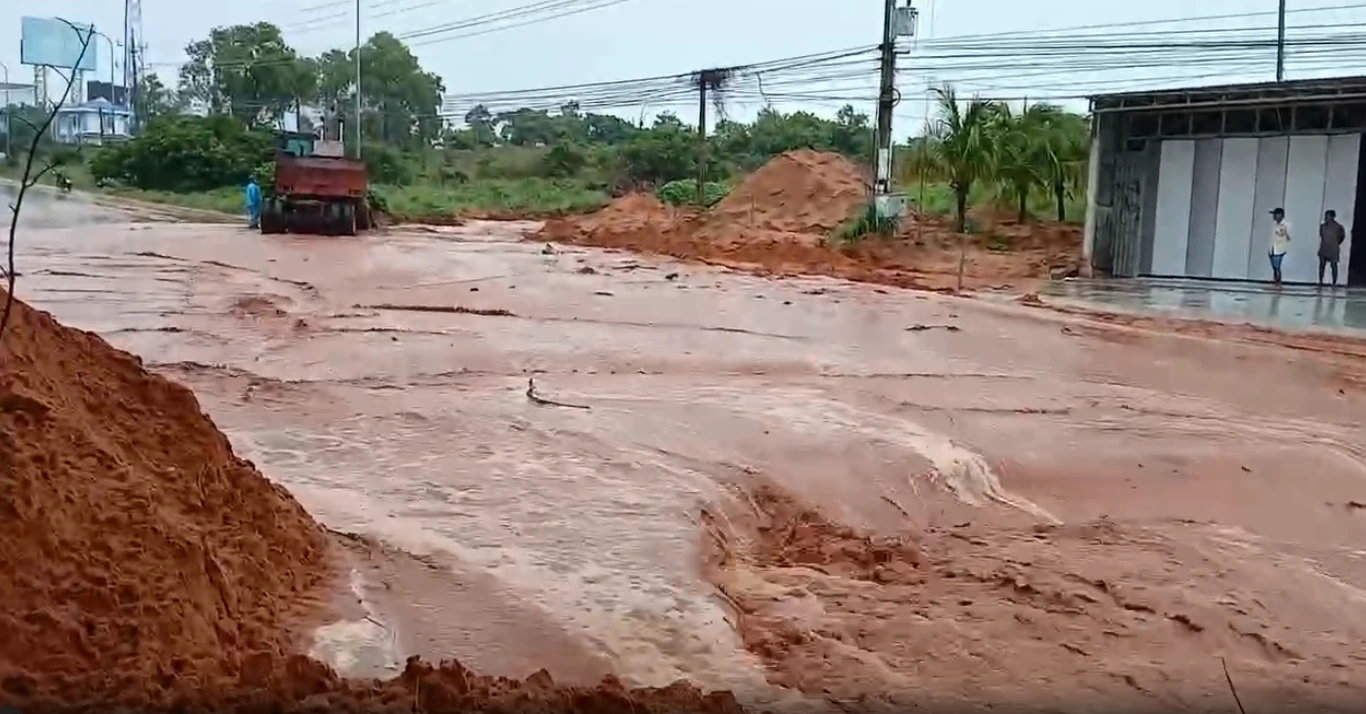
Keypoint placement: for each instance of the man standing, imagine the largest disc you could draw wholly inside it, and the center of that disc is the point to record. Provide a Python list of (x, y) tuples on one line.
[(1331, 237), (1280, 243), (253, 203)]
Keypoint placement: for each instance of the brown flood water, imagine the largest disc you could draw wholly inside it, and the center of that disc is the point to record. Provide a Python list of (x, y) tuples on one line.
[(1044, 464)]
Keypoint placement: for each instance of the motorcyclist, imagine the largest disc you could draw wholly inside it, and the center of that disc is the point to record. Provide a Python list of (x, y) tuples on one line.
[(62, 181)]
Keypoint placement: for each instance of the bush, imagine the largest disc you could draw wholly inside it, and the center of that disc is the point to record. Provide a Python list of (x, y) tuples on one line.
[(184, 154), (684, 191), (865, 224), (387, 166), (563, 161)]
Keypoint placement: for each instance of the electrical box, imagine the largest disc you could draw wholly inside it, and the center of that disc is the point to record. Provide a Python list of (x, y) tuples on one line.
[(904, 21), (890, 205)]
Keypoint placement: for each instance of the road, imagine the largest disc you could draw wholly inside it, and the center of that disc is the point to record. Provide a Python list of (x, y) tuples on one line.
[(1104, 511)]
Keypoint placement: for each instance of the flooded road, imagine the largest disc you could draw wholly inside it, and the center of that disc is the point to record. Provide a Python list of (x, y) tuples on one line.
[(384, 380)]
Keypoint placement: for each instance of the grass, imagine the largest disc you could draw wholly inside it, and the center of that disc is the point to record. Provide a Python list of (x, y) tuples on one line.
[(223, 200), (530, 196)]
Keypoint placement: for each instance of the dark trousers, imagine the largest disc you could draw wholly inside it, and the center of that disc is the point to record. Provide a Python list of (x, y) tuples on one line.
[(1326, 262)]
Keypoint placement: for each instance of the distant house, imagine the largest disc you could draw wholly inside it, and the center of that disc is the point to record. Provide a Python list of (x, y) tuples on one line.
[(94, 122)]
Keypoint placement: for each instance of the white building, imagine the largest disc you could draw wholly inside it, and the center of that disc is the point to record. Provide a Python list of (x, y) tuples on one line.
[(94, 122), (1182, 182)]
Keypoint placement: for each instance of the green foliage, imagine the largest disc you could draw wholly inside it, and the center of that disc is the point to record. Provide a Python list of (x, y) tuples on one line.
[(684, 192), (665, 153), (563, 161), (248, 71), (492, 195), (184, 153), (387, 165), (866, 224), (1040, 149)]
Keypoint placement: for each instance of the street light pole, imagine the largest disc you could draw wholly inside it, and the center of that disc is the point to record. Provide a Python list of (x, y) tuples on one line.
[(358, 121), (9, 130), (1280, 43)]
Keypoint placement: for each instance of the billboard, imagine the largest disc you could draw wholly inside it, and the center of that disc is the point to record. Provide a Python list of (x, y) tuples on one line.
[(52, 42)]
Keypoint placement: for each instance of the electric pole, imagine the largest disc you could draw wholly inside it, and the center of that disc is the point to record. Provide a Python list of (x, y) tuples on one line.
[(358, 121), (896, 22), (702, 139), (882, 182), (1280, 43)]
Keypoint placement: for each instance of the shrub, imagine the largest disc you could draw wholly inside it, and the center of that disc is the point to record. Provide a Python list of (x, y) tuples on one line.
[(684, 191), (183, 154)]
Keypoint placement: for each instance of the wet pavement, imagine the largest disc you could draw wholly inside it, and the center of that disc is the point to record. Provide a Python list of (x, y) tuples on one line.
[(1339, 309), (384, 380)]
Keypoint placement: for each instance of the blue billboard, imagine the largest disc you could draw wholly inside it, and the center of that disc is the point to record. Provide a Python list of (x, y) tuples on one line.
[(55, 43)]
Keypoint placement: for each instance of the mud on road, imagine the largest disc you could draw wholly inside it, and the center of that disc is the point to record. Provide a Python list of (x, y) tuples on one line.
[(801, 489)]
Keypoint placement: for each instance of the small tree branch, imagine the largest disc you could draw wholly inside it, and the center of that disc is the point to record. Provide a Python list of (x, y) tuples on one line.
[(28, 178), (1236, 699)]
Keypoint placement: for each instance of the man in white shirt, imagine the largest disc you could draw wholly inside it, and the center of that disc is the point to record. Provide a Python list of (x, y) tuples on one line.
[(1280, 243)]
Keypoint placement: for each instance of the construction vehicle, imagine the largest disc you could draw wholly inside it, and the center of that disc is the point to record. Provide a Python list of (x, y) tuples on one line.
[(317, 189)]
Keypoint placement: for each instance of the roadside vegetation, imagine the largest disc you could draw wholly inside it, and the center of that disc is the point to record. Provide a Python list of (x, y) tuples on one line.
[(1027, 163)]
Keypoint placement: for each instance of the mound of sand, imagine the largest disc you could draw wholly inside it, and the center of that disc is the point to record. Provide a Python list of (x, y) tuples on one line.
[(802, 192), (630, 212), (144, 567), (137, 549)]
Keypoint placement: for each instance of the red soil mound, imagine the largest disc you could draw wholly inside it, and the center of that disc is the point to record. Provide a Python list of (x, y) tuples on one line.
[(802, 191), (144, 567), (135, 548), (780, 220), (631, 212), (298, 684)]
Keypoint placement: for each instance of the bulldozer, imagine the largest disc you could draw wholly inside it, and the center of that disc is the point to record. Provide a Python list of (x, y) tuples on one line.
[(317, 190)]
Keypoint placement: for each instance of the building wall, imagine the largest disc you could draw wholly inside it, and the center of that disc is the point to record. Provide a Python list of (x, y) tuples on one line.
[(1213, 198), (90, 126)]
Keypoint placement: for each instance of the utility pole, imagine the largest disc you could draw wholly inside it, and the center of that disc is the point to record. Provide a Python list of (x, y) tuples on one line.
[(886, 100), (1280, 43), (713, 79), (358, 121), (9, 130), (702, 139), (896, 22)]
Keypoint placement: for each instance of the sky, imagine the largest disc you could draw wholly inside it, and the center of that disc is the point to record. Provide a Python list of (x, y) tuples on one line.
[(641, 38)]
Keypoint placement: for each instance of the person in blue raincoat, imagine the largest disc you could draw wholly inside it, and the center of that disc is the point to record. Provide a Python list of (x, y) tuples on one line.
[(253, 202)]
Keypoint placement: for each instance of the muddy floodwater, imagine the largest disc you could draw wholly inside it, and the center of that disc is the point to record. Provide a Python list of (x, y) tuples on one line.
[(1123, 507)]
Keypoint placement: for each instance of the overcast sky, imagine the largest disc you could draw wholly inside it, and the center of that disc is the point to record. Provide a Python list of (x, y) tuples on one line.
[(638, 38)]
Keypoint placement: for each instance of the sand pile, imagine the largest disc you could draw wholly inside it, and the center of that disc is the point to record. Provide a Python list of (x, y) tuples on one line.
[(144, 567), (801, 191), (136, 551), (632, 212)]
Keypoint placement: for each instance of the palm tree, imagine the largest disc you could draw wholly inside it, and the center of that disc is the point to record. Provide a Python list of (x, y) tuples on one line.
[(966, 142), (1019, 156), (1063, 146)]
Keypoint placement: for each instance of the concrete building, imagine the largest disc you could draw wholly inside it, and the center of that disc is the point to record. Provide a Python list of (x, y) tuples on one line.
[(1181, 182), (94, 122)]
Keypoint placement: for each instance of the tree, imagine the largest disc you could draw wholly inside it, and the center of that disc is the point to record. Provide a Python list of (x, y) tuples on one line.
[(480, 123), (154, 99), (1063, 150), (184, 153), (965, 140), (401, 101), (665, 153), (248, 71), (1019, 155)]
